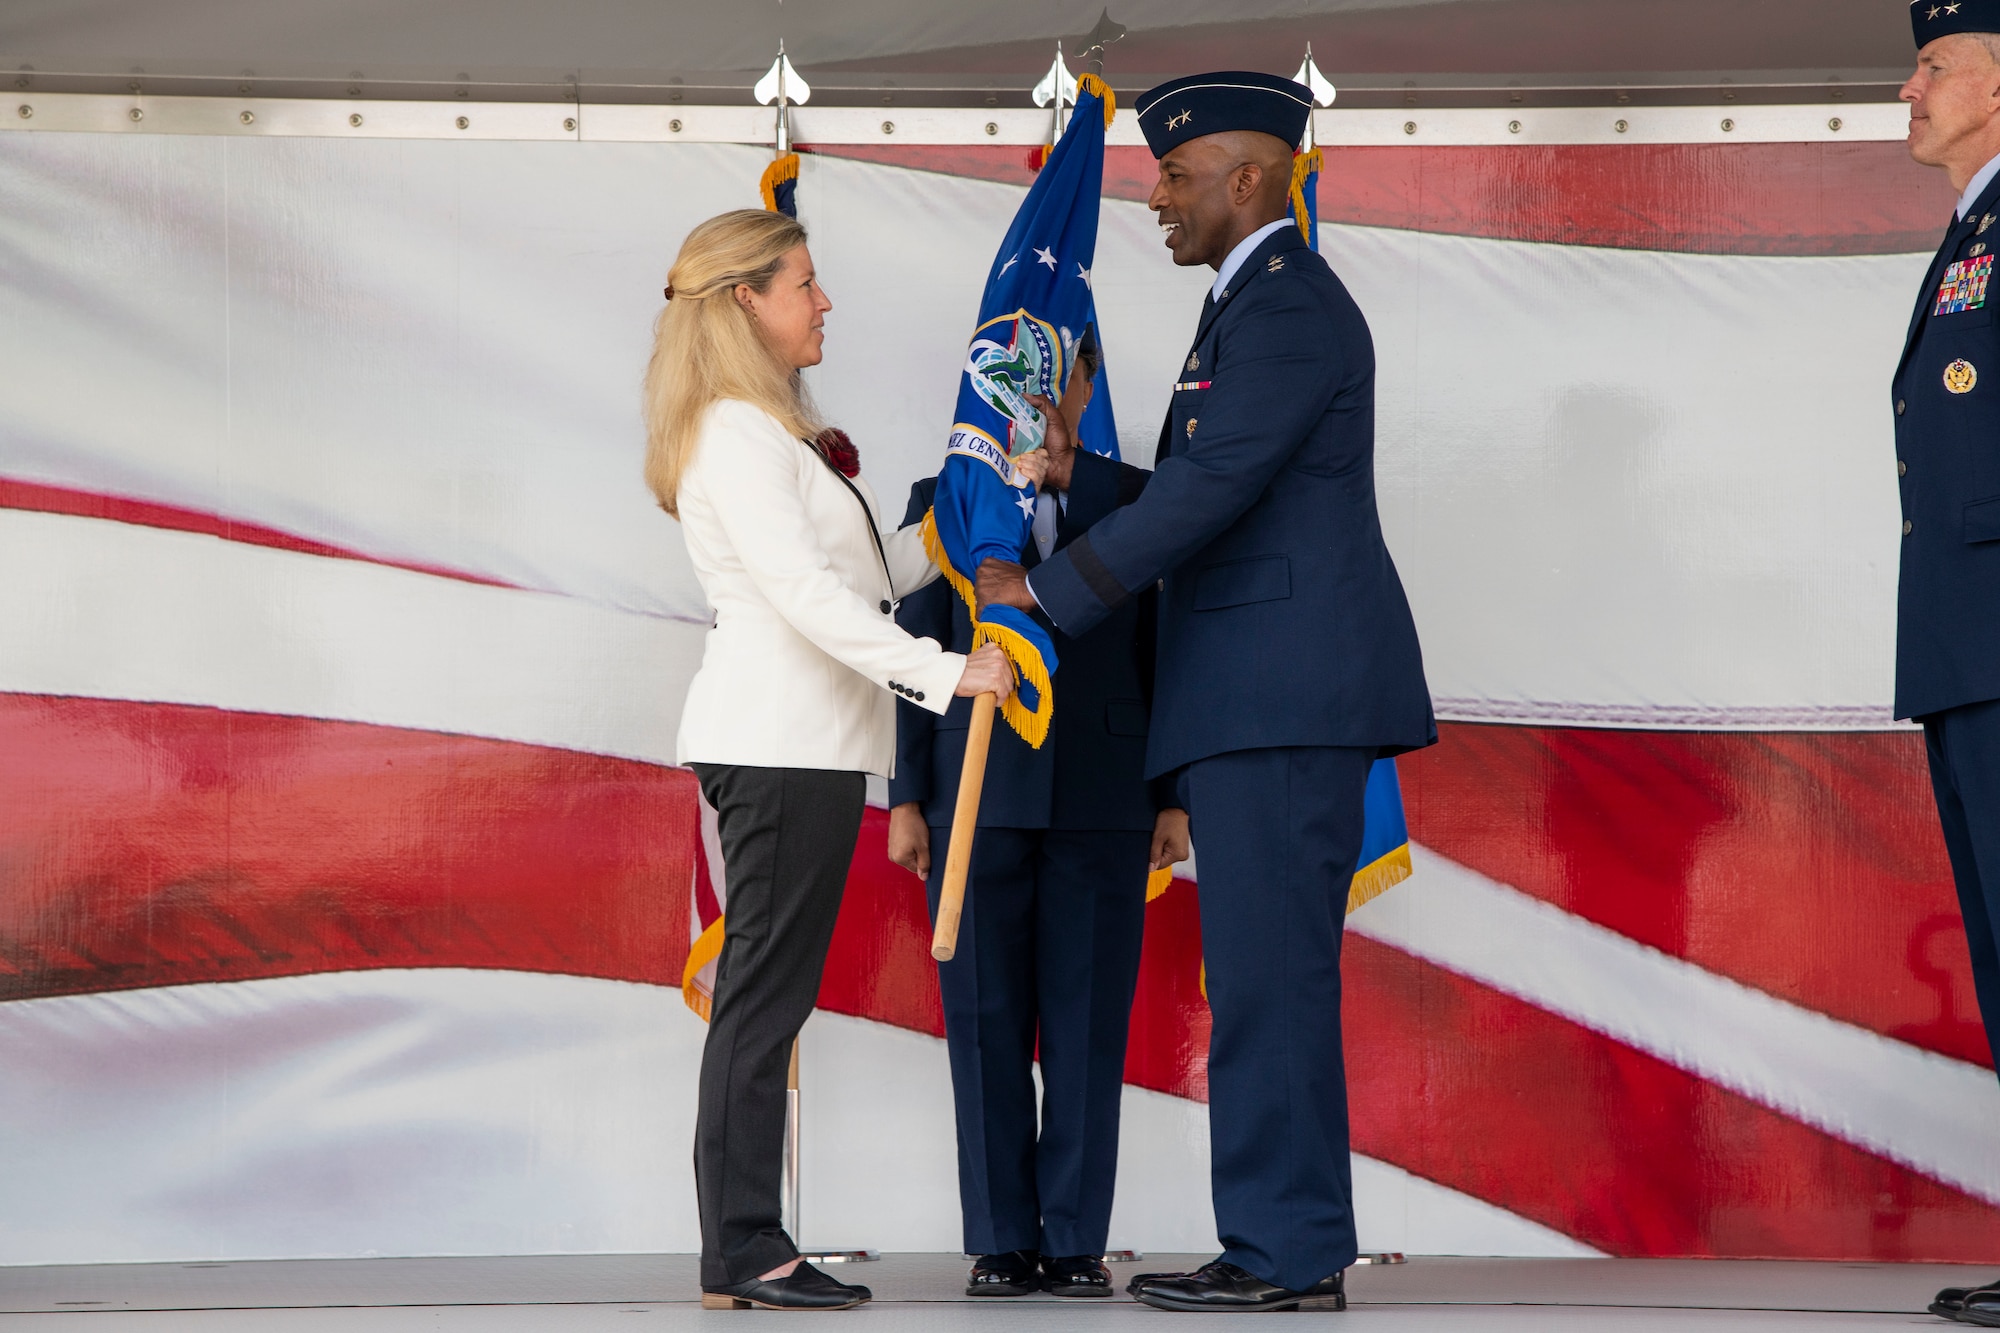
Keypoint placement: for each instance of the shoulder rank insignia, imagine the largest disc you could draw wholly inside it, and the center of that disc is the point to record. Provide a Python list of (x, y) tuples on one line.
[(1194, 361), (1984, 223), (1964, 286), (1959, 377), (1277, 262)]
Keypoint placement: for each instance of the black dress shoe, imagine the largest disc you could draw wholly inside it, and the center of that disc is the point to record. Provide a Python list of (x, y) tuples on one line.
[(1014, 1273), (804, 1288), (1980, 1306), (1950, 1302), (1077, 1275), (1224, 1288)]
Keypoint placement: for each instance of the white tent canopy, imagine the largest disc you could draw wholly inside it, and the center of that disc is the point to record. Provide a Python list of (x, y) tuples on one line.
[(918, 51)]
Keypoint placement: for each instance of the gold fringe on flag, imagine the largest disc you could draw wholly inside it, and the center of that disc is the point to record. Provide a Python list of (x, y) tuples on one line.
[(701, 953), (778, 173), (1157, 882), (1378, 877), (1090, 83), (1303, 165), (1031, 725)]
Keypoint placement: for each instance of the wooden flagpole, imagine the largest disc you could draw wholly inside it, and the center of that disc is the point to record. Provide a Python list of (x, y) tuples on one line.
[(964, 820)]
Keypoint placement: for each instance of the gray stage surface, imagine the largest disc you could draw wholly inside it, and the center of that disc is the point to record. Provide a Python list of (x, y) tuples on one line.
[(912, 1291)]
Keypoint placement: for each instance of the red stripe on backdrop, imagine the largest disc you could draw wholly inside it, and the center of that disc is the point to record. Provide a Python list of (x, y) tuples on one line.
[(1809, 866), (44, 499), (154, 844), (1761, 199), (1481, 1092)]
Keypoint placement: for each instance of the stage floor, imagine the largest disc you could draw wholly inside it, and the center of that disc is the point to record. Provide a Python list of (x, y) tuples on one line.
[(912, 1291)]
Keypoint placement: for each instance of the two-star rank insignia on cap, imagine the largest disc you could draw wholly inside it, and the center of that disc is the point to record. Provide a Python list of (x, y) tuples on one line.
[(1227, 100), (1959, 377), (1932, 19)]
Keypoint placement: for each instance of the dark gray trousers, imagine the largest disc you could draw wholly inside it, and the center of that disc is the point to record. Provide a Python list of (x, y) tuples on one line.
[(788, 836)]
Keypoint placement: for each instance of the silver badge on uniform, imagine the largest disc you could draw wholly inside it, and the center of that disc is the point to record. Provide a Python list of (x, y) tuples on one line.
[(1984, 223), (1194, 361), (1978, 249)]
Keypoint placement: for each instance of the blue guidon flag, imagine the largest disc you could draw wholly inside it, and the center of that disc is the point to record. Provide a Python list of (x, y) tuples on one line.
[(1032, 315), (1385, 841)]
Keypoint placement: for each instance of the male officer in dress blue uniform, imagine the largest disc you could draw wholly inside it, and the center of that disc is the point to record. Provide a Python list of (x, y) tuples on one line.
[(1946, 396), (1048, 947), (1288, 663)]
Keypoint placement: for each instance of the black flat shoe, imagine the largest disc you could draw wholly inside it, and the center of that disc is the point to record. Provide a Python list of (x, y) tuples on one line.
[(1014, 1273), (1947, 1304), (804, 1288), (1076, 1275), (1979, 1307), (1224, 1288)]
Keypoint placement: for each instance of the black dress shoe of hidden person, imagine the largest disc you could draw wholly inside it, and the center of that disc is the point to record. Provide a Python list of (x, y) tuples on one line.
[(1076, 1275), (1980, 1307), (804, 1288), (1224, 1288), (1013, 1273), (1947, 1303)]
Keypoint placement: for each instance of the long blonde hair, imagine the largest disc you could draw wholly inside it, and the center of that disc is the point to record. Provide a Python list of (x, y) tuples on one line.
[(706, 346)]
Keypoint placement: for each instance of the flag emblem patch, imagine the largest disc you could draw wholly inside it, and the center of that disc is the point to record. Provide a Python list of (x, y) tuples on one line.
[(1964, 286)]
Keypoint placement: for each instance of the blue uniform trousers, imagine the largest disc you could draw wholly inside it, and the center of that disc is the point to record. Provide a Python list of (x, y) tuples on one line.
[(1277, 833), (1048, 949), (1964, 745)]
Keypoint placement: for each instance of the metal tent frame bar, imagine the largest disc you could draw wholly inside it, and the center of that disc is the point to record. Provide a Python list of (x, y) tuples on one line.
[(141, 113)]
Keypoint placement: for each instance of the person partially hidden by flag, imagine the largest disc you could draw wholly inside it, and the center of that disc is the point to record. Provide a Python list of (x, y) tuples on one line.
[(1288, 664), (1048, 953)]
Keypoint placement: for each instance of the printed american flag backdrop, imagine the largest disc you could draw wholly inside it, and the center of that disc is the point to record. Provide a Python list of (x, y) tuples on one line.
[(347, 888)]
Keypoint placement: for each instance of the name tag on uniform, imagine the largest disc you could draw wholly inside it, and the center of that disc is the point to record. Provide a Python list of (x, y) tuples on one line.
[(1964, 286)]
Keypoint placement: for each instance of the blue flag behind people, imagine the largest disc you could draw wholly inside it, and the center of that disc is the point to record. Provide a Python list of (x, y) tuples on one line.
[(1032, 315), (1385, 842)]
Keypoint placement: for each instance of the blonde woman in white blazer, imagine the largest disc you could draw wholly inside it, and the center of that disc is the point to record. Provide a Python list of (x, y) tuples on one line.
[(794, 701)]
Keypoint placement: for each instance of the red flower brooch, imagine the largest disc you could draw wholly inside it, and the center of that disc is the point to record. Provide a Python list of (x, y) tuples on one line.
[(840, 451)]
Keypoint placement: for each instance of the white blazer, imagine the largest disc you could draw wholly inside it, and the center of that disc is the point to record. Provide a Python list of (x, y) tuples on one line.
[(804, 662)]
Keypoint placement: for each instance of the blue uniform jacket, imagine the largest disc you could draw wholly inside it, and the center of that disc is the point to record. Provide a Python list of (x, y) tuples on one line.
[(1089, 773), (1948, 465), (1282, 620)]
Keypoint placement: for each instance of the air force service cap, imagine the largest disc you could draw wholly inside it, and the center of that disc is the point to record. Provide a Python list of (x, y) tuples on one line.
[(1932, 19), (1183, 109)]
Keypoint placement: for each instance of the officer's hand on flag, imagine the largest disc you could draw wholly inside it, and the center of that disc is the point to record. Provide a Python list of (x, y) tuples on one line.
[(1058, 445), (1004, 583), (987, 671)]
